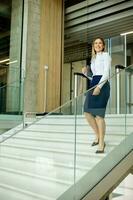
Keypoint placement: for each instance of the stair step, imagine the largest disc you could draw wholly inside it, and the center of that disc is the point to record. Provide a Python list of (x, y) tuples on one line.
[(43, 167), (71, 128), (80, 120), (43, 160), (55, 154), (28, 182), (81, 138), (14, 193), (81, 146)]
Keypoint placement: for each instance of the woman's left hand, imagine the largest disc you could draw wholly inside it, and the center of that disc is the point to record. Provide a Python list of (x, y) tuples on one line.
[(96, 91)]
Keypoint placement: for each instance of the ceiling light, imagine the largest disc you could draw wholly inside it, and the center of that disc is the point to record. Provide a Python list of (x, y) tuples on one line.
[(127, 33), (5, 60), (11, 62)]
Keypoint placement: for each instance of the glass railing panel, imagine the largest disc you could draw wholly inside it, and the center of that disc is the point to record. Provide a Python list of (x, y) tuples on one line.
[(129, 89), (11, 88), (11, 101), (10, 116), (119, 127), (49, 144)]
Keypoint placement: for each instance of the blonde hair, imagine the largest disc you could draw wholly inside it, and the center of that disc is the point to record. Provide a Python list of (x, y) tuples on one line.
[(93, 53)]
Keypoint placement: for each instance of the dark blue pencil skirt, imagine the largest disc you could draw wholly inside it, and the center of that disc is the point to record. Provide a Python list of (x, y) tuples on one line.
[(96, 105)]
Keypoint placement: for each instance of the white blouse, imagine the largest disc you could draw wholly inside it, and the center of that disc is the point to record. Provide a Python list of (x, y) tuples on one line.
[(101, 66)]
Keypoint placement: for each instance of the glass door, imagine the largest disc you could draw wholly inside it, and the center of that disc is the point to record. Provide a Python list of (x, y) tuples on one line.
[(80, 84), (128, 40), (117, 98), (121, 51)]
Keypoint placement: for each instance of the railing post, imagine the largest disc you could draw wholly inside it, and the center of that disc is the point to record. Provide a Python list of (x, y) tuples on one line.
[(129, 76), (23, 96), (24, 119), (45, 86), (118, 68), (75, 85)]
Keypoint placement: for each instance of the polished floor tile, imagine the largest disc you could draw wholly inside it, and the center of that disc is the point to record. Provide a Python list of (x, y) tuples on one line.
[(125, 190)]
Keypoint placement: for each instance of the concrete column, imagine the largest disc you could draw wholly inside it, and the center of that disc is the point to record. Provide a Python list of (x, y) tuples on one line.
[(32, 55)]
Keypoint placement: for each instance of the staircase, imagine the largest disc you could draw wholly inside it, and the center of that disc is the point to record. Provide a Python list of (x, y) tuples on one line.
[(38, 162)]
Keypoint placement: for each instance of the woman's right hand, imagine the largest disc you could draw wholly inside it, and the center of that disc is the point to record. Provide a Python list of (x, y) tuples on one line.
[(84, 70)]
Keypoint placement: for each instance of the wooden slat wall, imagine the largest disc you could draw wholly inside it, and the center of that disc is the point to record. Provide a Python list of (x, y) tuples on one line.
[(50, 53)]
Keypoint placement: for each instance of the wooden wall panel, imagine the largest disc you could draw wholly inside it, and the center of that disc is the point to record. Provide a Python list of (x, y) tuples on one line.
[(50, 53)]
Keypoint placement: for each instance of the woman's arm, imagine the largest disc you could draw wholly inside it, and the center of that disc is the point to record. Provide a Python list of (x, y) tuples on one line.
[(107, 65), (85, 70)]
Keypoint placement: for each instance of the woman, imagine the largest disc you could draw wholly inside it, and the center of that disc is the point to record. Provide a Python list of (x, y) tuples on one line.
[(96, 99)]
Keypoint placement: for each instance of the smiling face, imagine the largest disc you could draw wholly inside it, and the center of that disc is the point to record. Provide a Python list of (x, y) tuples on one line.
[(98, 45)]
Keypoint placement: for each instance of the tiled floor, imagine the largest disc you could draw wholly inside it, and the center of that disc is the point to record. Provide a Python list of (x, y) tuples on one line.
[(125, 190)]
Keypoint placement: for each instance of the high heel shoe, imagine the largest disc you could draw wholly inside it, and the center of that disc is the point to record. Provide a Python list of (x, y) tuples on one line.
[(101, 150), (95, 143)]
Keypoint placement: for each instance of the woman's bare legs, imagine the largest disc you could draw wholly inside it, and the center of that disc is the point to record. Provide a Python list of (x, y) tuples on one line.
[(98, 125), (101, 130), (93, 123)]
